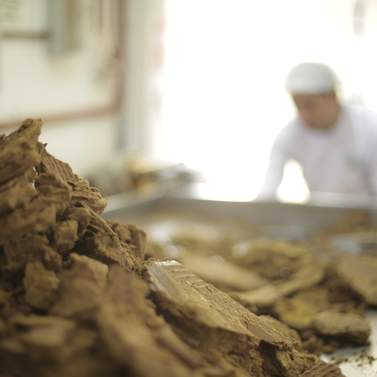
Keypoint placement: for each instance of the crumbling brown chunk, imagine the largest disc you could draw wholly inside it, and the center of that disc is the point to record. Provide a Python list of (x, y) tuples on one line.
[(296, 313), (300, 310), (102, 243), (81, 215), (309, 274), (41, 286), (265, 297), (132, 236), (138, 241), (86, 195), (17, 192), (38, 214), (360, 272), (82, 193), (40, 331), (28, 248), (272, 260), (82, 287), (21, 150), (348, 327), (41, 345), (65, 235)]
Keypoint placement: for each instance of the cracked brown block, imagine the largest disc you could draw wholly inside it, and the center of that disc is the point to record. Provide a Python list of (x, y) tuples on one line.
[(131, 235), (224, 329), (130, 327), (222, 274), (41, 346), (81, 215), (53, 190), (21, 150), (28, 248), (17, 192), (40, 213), (40, 333), (309, 274), (81, 288), (347, 327), (102, 243), (273, 260), (65, 235), (36, 216), (82, 193), (360, 273), (265, 297), (299, 310), (41, 286), (302, 310)]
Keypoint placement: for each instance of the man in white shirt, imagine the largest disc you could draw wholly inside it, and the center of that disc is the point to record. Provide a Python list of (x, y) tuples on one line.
[(335, 145)]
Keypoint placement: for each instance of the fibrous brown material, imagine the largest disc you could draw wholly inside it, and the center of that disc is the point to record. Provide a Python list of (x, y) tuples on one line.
[(73, 302)]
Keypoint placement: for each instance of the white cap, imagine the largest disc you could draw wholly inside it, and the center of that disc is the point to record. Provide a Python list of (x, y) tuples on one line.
[(311, 78)]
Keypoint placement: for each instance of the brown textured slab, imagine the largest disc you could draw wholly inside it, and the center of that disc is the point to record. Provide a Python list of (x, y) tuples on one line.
[(224, 327), (209, 305), (39, 213), (20, 150)]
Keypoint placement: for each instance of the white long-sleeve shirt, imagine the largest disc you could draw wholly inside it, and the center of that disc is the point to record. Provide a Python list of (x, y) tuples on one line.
[(340, 160)]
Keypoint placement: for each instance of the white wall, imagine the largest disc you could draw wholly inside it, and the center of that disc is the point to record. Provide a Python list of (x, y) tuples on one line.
[(143, 69), (33, 83)]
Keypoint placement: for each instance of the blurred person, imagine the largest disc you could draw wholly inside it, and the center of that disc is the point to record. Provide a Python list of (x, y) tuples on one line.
[(335, 144)]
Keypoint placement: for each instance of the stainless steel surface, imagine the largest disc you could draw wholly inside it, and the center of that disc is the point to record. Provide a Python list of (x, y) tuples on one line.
[(163, 215), (278, 220)]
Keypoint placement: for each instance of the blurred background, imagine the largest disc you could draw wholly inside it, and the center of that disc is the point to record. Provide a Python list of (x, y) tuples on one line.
[(134, 92)]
